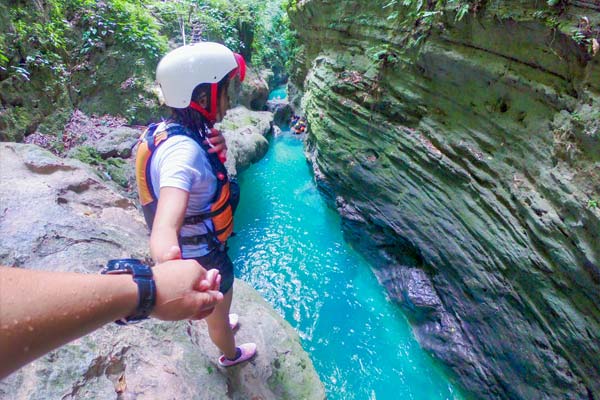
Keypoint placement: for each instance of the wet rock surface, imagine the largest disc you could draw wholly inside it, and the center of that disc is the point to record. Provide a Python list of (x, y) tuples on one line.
[(281, 110), (468, 173), (57, 214), (245, 132)]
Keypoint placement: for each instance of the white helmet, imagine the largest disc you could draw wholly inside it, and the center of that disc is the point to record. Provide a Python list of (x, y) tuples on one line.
[(182, 69)]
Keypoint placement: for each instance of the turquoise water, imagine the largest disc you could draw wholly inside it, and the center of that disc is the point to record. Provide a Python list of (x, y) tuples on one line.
[(290, 248), (279, 93)]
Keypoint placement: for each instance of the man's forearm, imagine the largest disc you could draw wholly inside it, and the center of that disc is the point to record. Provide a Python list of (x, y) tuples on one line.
[(40, 311)]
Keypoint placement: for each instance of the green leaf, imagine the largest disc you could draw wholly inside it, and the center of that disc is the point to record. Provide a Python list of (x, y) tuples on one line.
[(392, 16), (462, 11)]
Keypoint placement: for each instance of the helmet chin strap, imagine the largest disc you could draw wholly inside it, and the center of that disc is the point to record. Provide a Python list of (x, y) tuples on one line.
[(211, 115)]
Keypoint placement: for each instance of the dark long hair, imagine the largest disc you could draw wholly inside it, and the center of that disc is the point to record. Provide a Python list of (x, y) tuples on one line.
[(191, 118)]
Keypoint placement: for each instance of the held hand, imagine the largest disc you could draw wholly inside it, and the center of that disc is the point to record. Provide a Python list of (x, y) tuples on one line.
[(217, 144), (185, 290), (212, 281)]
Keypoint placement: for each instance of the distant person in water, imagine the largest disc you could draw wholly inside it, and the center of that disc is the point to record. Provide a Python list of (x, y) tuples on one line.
[(299, 126), (293, 120), (187, 197), (42, 310)]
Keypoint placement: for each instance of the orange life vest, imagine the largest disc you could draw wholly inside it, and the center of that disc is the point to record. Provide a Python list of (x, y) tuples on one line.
[(223, 203)]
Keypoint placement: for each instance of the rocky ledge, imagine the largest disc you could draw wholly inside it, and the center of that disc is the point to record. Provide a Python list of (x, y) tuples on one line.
[(58, 214)]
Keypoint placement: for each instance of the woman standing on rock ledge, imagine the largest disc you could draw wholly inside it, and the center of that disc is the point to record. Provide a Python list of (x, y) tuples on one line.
[(186, 196)]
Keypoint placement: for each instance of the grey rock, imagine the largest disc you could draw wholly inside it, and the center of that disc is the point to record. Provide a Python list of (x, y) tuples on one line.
[(66, 219), (281, 109), (40, 161), (117, 143), (295, 97), (245, 132), (254, 91)]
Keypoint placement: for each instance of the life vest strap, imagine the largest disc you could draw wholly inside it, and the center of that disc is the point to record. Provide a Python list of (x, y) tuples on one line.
[(224, 229), (196, 240), (196, 219), (149, 142)]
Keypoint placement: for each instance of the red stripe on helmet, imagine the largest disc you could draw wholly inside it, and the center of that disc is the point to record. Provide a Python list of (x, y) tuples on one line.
[(241, 67)]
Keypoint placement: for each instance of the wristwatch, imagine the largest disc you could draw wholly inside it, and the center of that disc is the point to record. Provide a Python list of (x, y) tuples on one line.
[(142, 276)]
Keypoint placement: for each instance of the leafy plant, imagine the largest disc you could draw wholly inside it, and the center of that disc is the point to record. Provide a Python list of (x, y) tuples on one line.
[(418, 17), (275, 44), (578, 36), (461, 11), (21, 72), (3, 61)]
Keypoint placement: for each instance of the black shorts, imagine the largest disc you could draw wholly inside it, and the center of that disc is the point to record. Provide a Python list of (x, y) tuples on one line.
[(218, 259)]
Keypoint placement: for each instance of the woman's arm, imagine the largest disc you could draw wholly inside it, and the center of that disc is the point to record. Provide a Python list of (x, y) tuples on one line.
[(40, 310), (170, 212)]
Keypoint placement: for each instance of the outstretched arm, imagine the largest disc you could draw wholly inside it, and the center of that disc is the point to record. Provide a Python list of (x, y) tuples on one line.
[(40, 311), (170, 212)]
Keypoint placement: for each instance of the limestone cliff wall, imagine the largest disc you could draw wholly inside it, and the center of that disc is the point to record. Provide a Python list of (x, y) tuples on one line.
[(467, 168)]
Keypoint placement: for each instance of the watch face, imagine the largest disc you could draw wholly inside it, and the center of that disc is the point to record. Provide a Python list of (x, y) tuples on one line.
[(122, 264), (142, 275)]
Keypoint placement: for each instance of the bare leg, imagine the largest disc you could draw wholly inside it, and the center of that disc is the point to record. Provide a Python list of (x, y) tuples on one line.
[(218, 326)]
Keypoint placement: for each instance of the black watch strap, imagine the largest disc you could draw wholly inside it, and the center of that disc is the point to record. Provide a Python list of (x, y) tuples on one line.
[(143, 277)]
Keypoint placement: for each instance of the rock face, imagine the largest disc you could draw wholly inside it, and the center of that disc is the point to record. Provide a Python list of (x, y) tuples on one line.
[(110, 149), (282, 111), (245, 132), (254, 91), (469, 173), (58, 215)]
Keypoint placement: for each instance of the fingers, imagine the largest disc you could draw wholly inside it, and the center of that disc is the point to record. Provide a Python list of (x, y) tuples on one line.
[(205, 303), (217, 285), (220, 149), (202, 314), (208, 300), (217, 144), (211, 281)]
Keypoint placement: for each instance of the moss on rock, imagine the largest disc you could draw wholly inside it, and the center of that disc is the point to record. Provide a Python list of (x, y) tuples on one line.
[(474, 160)]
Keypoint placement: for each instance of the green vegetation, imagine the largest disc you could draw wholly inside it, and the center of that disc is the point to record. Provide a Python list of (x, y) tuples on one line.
[(88, 155), (114, 169), (257, 29), (100, 57), (418, 17), (60, 35), (60, 55), (230, 23), (275, 45)]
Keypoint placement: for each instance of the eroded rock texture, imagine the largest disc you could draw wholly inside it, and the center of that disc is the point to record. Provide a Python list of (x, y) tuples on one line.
[(469, 174), (56, 214)]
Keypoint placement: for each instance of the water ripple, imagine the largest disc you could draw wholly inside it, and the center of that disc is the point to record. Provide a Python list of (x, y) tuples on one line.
[(290, 248)]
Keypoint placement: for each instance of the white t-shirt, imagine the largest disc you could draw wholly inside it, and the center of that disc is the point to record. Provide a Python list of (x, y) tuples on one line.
[(181, 163)]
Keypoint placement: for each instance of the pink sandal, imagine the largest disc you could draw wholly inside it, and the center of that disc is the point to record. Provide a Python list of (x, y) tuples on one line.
[(247, 351)]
